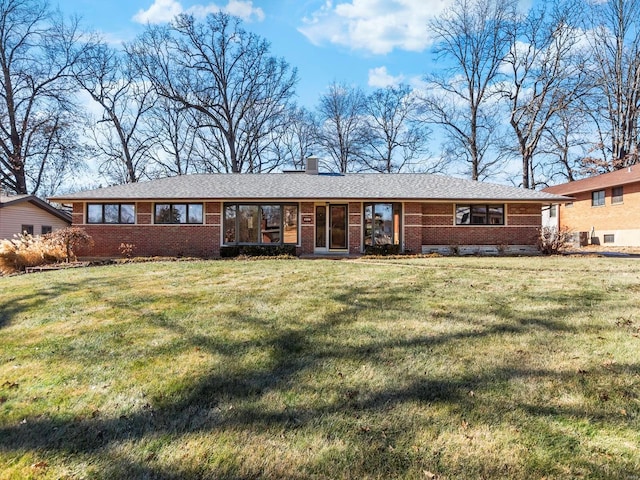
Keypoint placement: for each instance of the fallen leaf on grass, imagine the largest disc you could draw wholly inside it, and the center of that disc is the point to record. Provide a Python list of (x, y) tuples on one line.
[(40, 465)]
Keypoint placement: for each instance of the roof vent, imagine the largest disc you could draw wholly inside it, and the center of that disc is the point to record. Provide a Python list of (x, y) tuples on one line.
[(312, 165)]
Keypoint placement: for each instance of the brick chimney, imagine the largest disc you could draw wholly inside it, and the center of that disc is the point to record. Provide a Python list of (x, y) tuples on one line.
[(312, 165)]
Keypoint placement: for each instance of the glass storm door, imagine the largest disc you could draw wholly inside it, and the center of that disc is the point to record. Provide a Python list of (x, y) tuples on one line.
[(331, 227), (321, 228), (338, 227)]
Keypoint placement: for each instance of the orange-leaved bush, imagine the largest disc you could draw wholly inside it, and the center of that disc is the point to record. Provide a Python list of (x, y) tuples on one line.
[(31, 251)]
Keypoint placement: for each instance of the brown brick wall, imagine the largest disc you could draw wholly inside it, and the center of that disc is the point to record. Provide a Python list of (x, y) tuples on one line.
[(524, 220), (77, 214), (582, 217), (213, 213), (307, 228), (413, 227), (355, 228), (521, 226), (154, 240), (468, 235), (144, 214), (437, 208), (533, 209)]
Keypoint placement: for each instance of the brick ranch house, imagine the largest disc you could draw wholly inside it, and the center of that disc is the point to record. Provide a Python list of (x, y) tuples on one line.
[(605, 208), (197, 215)]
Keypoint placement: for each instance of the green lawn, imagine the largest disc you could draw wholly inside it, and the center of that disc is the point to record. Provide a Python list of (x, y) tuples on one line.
[(425, 368)]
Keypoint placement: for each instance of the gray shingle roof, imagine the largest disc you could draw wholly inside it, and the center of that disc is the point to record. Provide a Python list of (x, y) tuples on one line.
[(301, 186)]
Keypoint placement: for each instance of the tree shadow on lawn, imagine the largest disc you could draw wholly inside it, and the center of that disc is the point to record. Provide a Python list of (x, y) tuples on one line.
[(10, 309), (196, 409)]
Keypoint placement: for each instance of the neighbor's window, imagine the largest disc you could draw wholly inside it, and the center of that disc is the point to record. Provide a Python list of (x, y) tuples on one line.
[(45, 229), (616, 195), (553, 211), (479, 214), (609, 238), (260, 224), (28, 229), (111, 213), (597, 198), (178, 213), (382, 223)]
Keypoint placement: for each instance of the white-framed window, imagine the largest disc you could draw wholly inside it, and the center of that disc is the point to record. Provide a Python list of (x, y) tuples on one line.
[(111, 213), (474, 214), (616, 195), (597, 198)]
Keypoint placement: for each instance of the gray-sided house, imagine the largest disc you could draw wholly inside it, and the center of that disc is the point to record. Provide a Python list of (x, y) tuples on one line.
[(198, 215), (28, 213)]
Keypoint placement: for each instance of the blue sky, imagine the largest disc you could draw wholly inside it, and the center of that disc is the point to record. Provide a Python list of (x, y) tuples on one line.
[(368, 43)]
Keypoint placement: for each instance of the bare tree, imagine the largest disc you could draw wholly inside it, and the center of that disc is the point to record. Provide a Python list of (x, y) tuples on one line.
[(297, 140), (342, 129), (565, 144), (472, 37), (37, 114), (226, 74), (122, 140), (615, 43), (396, 139), (546, 74), (176, 130)]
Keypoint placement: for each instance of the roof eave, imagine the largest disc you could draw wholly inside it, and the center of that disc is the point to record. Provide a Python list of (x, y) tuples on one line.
[(40, 204), (553, 199)]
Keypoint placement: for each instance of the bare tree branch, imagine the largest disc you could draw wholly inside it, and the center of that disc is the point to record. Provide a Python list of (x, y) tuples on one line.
[(225, 74), (342, 130), (472, 36), (37, 52)]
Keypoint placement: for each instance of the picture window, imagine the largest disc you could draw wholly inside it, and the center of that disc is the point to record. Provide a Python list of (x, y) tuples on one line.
[(382, 223), (170, 213), (479, 214), (260, 224), (111, 213)]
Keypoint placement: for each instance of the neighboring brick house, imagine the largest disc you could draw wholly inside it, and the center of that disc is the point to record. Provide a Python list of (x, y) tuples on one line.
[(605, 208), (28, 213), (196, 215)]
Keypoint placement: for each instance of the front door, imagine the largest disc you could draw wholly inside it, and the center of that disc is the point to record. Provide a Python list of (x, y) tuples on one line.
[(331, 228)]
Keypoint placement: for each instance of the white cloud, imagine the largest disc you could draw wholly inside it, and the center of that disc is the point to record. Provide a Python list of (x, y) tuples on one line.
[(380, 78), (89, 105), (376, 26), (244, 10), (163, 11)]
